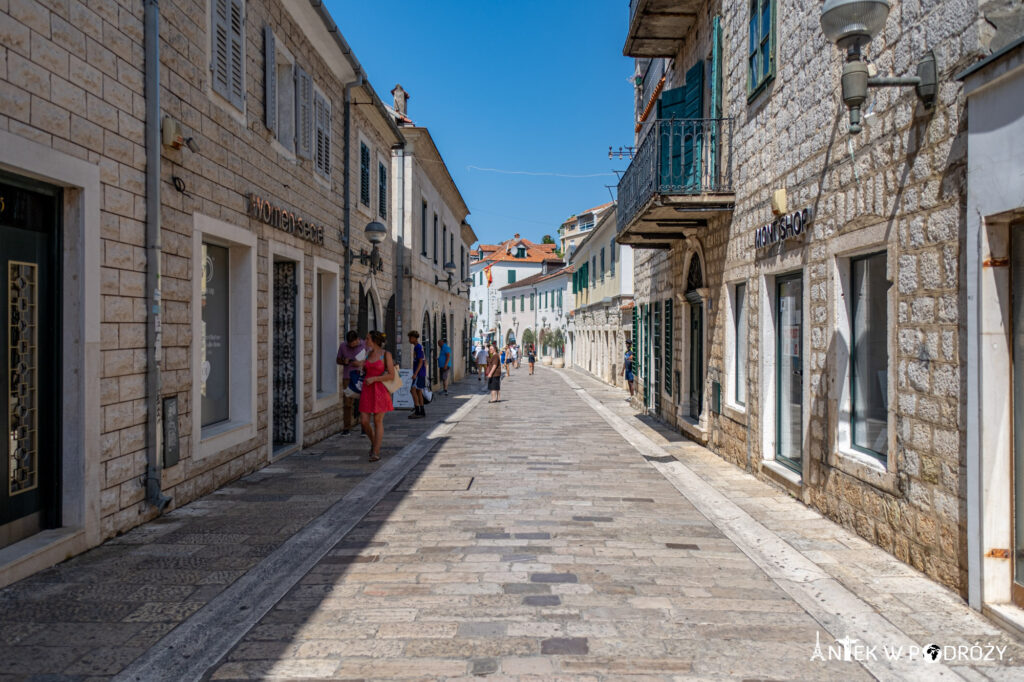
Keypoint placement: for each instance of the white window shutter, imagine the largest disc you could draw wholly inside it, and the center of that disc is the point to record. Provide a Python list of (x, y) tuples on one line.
[(237, 64), (270, 78), (303, 113), (220, 50)]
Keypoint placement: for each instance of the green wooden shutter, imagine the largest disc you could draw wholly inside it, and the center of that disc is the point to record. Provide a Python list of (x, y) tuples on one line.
[(668, 346), (646, 328), (656, 367), (716, 100), (693, 108)]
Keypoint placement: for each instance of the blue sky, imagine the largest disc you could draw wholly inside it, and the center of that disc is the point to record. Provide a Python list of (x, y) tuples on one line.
[(523, 85)]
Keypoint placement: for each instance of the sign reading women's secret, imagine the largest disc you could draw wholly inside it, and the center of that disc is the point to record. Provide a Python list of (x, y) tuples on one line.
[(284, 220), (783, 228)]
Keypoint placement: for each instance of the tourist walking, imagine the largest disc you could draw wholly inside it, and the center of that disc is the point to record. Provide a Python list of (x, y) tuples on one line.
[(627, 368), (494, 373), (506, 359), (375, 399), (351, 355), (481, 361), (532, 357), (515, 354), (419, 375), (444, 363)]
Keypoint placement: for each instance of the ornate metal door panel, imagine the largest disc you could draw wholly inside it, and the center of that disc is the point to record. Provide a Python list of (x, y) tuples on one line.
[(29, 343), (285, 353)]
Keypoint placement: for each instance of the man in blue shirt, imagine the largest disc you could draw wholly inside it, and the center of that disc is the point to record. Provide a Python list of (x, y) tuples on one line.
[(627, 368), (419, 375), (444, 363)]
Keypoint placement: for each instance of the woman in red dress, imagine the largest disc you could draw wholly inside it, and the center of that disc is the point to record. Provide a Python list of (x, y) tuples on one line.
[(375, 399)]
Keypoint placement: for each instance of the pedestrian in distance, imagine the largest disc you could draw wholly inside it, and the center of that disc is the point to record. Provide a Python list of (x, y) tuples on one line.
[(444, 363), (532, 357), (494, 373), (506, 358), (481, 361), (419, 375), (515, 354), (627, 368), (375, 399), (351, 354)]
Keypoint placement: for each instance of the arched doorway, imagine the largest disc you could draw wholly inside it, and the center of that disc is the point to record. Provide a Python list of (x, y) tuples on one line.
[(391, 329), (425, 340), (529, 339), (510, 337), (362, 317), (695, 338)]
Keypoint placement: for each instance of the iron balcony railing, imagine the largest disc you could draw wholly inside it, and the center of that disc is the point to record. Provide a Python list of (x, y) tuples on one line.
[(678, 157)]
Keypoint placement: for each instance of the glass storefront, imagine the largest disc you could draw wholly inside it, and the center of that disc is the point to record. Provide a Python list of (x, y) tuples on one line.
[(789, 365), (215, 334)]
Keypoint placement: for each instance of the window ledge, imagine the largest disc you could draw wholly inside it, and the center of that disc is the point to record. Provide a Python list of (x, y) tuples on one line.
[(324, 182), (866, 468), (783, 475), (283, 151), (737, 413), (323, 401), (220, 437)]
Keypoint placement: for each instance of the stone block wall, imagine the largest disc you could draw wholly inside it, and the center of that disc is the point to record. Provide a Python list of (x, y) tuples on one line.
[(905, 179), (71, 79)]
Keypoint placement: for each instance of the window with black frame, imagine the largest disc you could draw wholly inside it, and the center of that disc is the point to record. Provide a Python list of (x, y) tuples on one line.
[(869, 405)]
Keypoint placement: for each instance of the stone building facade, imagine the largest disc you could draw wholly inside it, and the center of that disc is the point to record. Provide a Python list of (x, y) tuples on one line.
[(813, 335), (600, 321), (533, 309), (436, 238), (246, 223)]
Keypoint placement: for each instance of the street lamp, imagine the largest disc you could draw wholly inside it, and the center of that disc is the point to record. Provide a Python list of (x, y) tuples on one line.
[(449, 267), (375, 233), (851, 24)]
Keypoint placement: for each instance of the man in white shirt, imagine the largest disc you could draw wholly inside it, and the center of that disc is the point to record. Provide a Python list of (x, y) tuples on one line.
[(481, 361)]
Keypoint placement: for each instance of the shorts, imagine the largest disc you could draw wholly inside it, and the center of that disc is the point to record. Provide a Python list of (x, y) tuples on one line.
[(494, 383), (533, 359), (629, 376), (420, 383), (444, 373)]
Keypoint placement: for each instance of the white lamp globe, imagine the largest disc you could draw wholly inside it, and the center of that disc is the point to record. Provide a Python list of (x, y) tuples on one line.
[(853, 23)]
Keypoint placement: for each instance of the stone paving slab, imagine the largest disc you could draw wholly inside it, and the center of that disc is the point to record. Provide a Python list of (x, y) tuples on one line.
[(569, 557), (122, 597)]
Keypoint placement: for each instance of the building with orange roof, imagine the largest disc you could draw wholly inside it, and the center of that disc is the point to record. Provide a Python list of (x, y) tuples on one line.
[(495, 266)]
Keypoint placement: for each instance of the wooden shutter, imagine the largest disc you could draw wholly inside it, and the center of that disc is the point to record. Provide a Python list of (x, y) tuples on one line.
[(382, 190), (303, 113), (693, 108), (364, 181), (237, 64), (714, 132), (668, 346), (322, 115), (270, 79), (220, 62)]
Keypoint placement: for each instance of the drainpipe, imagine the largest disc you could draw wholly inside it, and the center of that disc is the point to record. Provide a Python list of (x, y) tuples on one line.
[(154, 495), (400, 255), (346, 238)]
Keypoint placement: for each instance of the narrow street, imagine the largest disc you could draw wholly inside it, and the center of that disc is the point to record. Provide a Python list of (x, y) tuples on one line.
[(551, 535)]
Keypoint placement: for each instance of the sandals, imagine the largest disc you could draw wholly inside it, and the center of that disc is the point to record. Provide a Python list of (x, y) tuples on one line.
[(374, 458)]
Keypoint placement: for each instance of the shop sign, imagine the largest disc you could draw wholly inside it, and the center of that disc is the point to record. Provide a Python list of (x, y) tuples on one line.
[(783, 228), (284, 220)]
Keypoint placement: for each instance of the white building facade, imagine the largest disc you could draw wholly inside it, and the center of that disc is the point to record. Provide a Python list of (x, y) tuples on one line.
[(534, 309)]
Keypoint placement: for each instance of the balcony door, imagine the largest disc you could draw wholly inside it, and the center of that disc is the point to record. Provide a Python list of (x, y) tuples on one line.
[(681, 111)]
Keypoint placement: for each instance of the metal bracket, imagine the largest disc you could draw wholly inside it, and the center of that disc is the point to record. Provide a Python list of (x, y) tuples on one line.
[(925, 83)]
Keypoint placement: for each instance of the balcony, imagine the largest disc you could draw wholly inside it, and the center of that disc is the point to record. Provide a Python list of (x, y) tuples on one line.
[(680, 177), (657, 27)]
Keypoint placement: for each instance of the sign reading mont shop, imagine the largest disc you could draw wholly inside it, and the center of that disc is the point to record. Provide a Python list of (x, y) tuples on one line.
[(783, 228), (284, 220)]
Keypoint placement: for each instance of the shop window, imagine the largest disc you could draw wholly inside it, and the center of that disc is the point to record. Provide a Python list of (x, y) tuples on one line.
[(869, 355), (739, 345), (326, 332), (224, 315)]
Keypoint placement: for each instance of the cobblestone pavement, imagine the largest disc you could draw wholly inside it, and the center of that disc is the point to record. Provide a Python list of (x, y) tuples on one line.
[(553, 535)]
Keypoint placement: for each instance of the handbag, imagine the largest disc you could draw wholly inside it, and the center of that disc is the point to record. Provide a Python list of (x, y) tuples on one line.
[(395, 383)]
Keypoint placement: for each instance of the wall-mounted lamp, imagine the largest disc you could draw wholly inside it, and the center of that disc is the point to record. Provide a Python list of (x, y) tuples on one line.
[(851, 24), (449, 267), (375, 233)]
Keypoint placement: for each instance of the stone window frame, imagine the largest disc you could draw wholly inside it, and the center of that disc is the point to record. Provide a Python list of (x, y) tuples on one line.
[(732, 408), (241, 424), (285, 94), (842, 455), (325, 334)]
